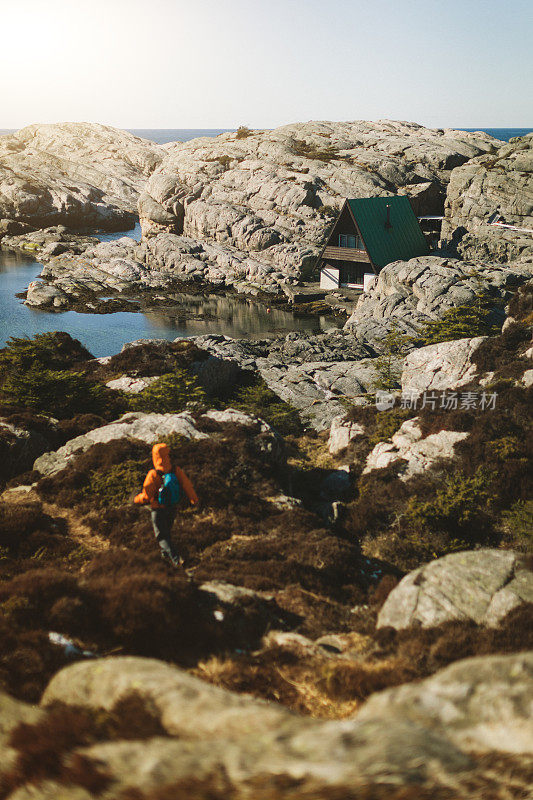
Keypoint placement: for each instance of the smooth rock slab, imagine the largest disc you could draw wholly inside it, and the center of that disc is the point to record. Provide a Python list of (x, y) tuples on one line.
[(148, 428), (478, 585), (188, 706), (480, 704), (217, 729), (442, 366)]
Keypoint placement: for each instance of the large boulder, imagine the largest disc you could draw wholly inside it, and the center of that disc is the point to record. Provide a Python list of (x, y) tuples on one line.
[(480, 704), (442, 366), (187, 706), (416, 735), (501, 183), (78, 174), (412, 452), (149, 428), (12, 713), (409, 293), (478, 585)]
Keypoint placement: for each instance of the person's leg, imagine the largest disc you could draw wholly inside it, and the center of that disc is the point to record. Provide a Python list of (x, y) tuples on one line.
[(162, 519)]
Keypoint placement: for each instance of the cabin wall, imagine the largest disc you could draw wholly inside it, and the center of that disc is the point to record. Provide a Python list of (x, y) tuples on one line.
[(350, 274)]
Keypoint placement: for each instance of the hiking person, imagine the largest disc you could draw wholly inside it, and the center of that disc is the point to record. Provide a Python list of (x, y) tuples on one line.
[(163, 489)]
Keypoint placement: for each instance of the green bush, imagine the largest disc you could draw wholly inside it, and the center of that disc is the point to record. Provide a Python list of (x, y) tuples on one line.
[(462, 502), (388, 366), (114, 485), (518, 523), (386, 425), (54, 351), (461, 322), (58, 393), (260, 401), (168, 394)]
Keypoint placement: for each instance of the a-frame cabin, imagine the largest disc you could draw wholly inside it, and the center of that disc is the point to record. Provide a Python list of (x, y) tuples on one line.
[(368, 234)]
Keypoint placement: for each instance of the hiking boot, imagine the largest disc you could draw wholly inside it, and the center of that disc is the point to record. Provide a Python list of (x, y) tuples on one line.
[(175, 561)]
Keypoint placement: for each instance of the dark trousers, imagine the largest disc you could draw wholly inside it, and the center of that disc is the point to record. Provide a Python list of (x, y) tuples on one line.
[(163, 520)]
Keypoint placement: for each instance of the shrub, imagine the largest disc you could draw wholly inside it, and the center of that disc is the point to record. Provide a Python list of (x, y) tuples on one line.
[(113, 486), (462, 502), (327, 211), (499, 354), (521, 305), (388, 365), (306, 150), (386, 425), (46, 351), (168, 394), (148, 360), (260, 401), (58, 392), (462, 322), (518, 523), (243, 132)]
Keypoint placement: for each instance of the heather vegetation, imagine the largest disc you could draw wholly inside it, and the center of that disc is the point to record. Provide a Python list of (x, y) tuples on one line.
[(78, 558)]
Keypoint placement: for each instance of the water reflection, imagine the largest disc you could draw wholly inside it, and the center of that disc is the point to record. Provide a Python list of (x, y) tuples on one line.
[(105, 334)]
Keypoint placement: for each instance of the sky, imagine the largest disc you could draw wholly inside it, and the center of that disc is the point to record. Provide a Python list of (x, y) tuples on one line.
[(264, 63)]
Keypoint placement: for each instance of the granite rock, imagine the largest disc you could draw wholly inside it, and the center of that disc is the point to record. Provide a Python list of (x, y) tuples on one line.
[(442, 366), (341, 433), (411, 452), (409, 293), (147, 428), (82, 175), (479, 585), (272, 193), (500, 183), (480, 704)]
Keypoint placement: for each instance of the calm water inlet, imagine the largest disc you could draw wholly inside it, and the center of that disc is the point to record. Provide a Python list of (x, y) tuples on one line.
[(104, 334)]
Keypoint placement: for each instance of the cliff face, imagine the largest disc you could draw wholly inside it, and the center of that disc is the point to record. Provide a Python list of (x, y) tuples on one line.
[(500, 183), (274, 193), (75, 174)]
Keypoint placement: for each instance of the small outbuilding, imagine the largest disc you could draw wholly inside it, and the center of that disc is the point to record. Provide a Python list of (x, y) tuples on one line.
[(368, 234)]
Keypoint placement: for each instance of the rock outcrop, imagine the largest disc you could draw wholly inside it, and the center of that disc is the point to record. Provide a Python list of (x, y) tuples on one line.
[(479, 704), (273, 193), (82, 175), (409, 293), (145, 427), (442, 366), (148, 428), (497, 184), (412, 452), (479, 585), (403, 735)]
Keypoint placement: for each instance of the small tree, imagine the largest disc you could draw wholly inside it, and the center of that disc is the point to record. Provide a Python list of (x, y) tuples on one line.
[(387, 366), (462, 322)]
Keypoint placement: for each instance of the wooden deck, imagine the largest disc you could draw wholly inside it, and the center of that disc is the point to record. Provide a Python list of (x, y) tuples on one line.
[(345, 254)]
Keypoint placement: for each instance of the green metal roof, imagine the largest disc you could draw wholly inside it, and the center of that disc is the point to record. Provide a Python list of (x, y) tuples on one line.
[(402, 241)]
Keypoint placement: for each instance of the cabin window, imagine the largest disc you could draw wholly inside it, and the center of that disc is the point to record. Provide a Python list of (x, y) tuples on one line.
[(353, 242)]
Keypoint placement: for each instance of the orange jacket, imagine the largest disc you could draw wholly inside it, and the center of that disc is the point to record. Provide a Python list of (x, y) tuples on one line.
[(154, 480)]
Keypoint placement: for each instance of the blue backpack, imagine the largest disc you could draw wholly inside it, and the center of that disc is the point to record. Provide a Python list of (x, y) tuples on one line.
[(170, 491)]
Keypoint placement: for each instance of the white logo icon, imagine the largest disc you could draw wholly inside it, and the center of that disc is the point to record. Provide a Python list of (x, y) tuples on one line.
[(384, 401)]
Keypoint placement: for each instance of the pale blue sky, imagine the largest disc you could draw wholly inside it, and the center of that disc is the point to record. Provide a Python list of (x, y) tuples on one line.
[(223, 63)]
